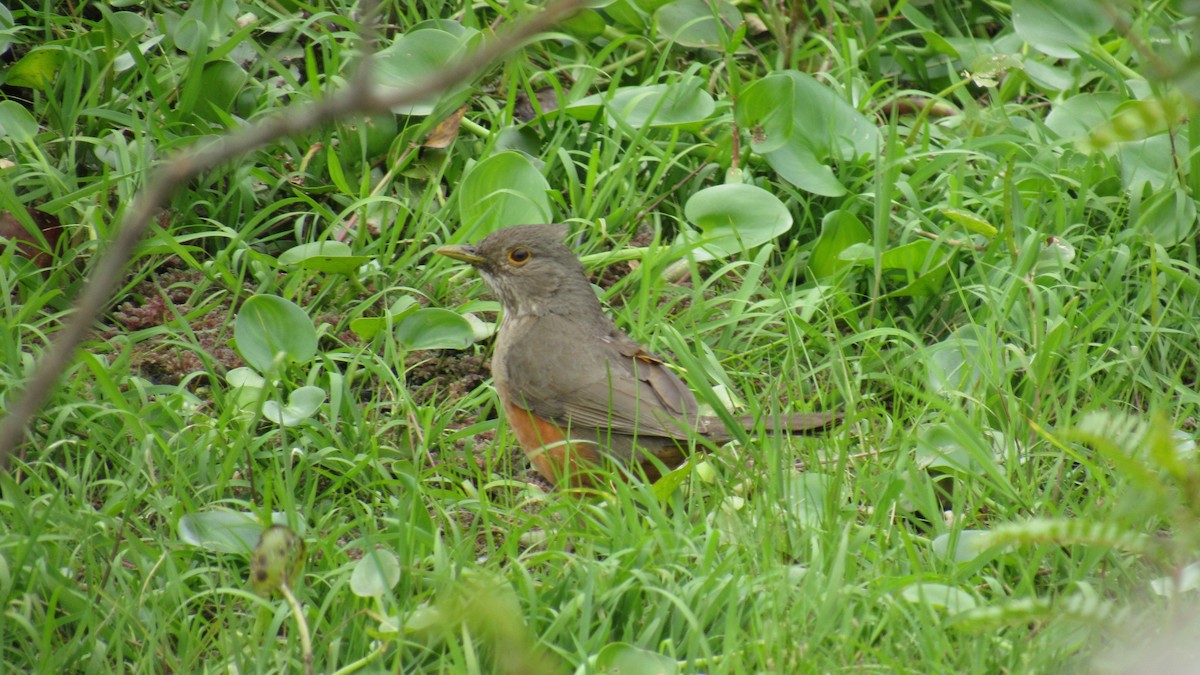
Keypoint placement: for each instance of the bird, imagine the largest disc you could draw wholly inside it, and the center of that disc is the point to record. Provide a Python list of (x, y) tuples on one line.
[(578, 392)]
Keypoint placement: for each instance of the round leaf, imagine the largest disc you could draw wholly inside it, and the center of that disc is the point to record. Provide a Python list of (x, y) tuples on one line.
[(268, 327), (938, 448), (1079, 115), (662, 105), (839, 231), (1060, 29), (504, 189), (735, 217), (16, 122), (820, 118), (800, 124), (939, 596), (333, 257), (619, 657), (434, 328), (302, 404), (413, 58), (955, 364), (1169, 217), (375, 574), (224, 531), (922, 271), (691, 23), (797, 164), (37, 70), (1147, 162), (969, 545), (585, 23), (806, 495), (6, 26), (221, 81), (367, 327)]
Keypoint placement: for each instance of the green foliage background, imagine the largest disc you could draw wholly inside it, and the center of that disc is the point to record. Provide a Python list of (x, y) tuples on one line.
[(969, 225)]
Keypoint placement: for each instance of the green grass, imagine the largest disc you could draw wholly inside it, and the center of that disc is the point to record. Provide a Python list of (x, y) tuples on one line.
[(999, 289)]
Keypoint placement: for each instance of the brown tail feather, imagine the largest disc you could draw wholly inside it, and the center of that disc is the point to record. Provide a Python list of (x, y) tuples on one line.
[(792, 423)]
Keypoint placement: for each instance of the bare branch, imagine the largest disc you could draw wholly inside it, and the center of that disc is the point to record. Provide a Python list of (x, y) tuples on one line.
[(358, 99)]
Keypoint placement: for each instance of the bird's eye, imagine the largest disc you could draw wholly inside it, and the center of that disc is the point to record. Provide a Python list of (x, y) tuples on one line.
[(519, 256)]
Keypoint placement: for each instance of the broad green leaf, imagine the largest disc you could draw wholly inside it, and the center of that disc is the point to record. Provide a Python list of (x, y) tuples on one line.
[(585, 23), (968, 545), (839, 231), (127, 25), (923, 266), (989, 69), (1080, 115), (16, 122), (733, 218), (619, 657), (659, 105), (268, 326), (413, 58), (450, 26), (798, 164), (585, 108), (367, 138), (1139, 119), (37, 70), (665, 486), (1060, 28), (939, 448), (950, 599), (205, 24), (800, 125), (806, 495), (6, 26), (662, 105), (245, 377), (424, 619), (298, 253), (504, 189), (1168, 217), (821, 118), (190, 34), (955, 364), (247, 387), (1056, 254), (434, 328), (628, 13), (302, 404), (691, 23), (1147, 162), (764, 110), (221, 81), (367, 327), (1051, 78), (333, 257), (375, 574), (224, 531)]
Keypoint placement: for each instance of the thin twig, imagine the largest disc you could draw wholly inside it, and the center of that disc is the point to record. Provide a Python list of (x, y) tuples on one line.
[(358, 99)]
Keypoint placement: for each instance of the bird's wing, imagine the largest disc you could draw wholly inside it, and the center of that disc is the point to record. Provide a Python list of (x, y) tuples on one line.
[(609, 383)]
